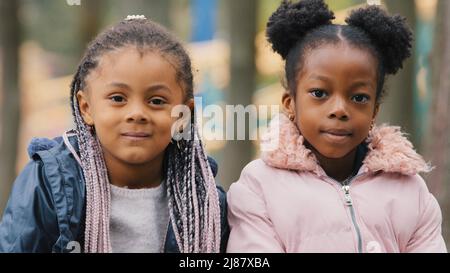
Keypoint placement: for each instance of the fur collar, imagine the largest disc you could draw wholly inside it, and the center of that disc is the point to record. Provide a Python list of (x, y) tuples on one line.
[(389, 150)]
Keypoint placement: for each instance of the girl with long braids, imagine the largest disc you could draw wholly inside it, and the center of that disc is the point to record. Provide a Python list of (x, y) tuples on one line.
[(335, 182), (123, 180)]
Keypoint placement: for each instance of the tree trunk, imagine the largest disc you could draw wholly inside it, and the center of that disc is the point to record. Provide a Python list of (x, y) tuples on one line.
[(399, 97), (159, 11), (242, 30), (90, 21), (438, 143), (10, 99)]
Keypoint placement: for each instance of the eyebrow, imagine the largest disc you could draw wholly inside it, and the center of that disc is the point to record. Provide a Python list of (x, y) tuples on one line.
[(361, 84), (148, 89), (319, 77), (354, 85)]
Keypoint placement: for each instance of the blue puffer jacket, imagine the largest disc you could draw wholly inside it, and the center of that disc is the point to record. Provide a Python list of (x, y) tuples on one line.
[(46, 208)]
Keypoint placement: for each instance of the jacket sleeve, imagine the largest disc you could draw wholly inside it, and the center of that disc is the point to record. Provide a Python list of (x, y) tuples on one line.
[(250, 224), (427, 237), (29, 222)]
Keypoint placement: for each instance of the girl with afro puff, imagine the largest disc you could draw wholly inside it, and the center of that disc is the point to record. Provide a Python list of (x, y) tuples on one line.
[(335, 182)]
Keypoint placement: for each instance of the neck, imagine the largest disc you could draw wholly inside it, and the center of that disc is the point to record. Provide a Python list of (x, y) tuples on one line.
[(135, 176), (337, 168)]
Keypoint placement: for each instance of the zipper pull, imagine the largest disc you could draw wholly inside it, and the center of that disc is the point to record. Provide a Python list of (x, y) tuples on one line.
[(348, 198)]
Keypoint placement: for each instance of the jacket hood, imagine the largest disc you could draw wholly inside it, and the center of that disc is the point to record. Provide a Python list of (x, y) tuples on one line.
[(42, 144), (388, 150)]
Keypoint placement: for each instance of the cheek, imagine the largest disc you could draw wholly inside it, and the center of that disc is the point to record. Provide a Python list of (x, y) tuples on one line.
[(103, 112), (106, 123), (164, 122), (363, 126), (307, 114)]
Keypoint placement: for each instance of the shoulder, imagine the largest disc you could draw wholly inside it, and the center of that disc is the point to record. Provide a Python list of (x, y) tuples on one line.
[(407, 183), (54, 170), (57, 164), (257, 174), (409, 189), (422, 191), (257, 179), (48, 194), (418, 183), (259, 169), (52, 164), (30, 211), (31, 180)]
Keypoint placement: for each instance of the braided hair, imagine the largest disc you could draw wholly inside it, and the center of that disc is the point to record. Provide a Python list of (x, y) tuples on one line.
[(295, 28), (193, 200)]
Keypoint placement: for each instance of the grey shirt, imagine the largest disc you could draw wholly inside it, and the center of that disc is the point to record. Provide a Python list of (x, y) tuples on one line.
[(139, 219)]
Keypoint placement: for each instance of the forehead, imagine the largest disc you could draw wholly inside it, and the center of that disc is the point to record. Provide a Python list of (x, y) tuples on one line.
[(340, 60), (132, 65)]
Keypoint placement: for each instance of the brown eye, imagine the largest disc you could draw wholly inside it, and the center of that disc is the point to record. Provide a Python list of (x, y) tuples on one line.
[(117, 99), (318, 93), (157, 101), (361, 98)]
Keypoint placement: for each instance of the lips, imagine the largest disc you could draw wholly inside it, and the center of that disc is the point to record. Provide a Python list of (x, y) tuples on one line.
[(338, 132), (337, 135), (136, 135)]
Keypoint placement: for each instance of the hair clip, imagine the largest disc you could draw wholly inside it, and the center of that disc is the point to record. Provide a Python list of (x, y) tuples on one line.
[(374, 2), (135, 17)]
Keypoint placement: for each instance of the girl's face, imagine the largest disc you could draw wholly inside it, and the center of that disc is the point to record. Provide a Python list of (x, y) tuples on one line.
[(129, 101), (335, 101)]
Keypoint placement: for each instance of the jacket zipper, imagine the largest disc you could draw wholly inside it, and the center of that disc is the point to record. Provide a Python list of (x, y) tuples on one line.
[(349, 203)]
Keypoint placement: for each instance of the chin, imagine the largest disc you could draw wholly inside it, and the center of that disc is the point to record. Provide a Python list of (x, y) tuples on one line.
[(137, 159), (334, 154)]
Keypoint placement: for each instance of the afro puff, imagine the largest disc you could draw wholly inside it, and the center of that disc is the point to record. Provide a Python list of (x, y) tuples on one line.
[(296, 27), (290, 22), (390, 35)]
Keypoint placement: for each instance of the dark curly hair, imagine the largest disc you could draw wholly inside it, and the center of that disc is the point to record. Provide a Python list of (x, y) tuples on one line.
[(295, 28)]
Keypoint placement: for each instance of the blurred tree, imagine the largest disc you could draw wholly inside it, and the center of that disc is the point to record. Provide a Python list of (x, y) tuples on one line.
[(159, 11), (156, 10), (90, 21), (54, 26), (242, 31), (438, 142), (425, 20), (398, 103), (343, 4), (10, 32)]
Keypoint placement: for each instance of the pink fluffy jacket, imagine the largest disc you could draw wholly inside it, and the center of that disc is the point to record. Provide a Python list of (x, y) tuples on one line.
[(285, 202)]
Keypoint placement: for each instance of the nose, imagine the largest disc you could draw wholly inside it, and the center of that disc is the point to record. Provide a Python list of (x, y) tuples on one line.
[(136, 112), (338, 109)]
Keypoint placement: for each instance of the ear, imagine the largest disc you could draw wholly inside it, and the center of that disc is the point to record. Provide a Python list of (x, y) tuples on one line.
[(84, 107), (288, 104)]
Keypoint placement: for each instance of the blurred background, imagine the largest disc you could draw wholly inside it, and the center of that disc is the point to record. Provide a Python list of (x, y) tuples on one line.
[(43, 40)]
